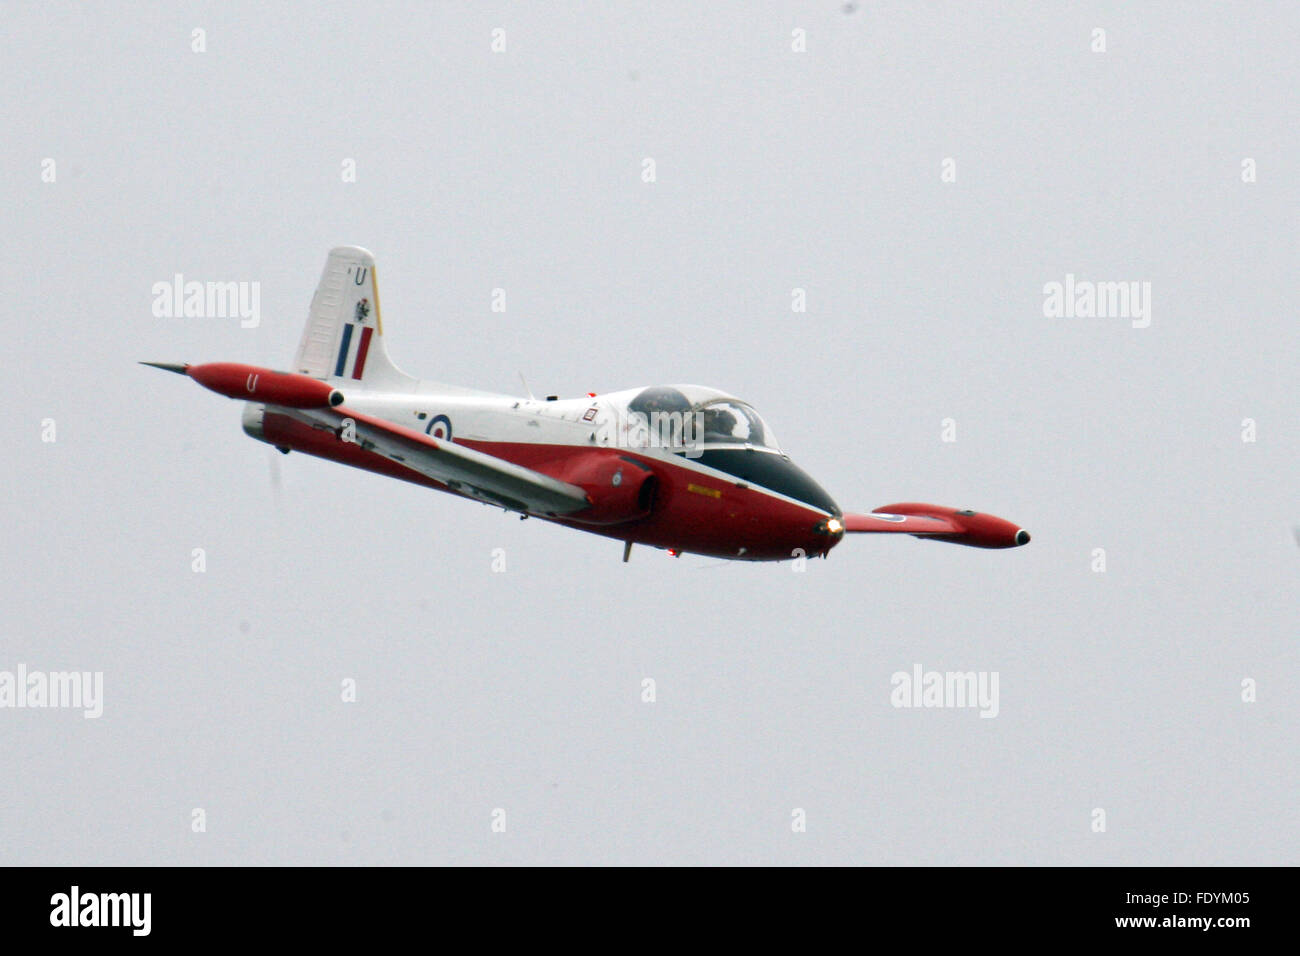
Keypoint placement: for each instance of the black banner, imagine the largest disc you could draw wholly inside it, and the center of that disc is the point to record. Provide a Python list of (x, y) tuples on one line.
[(1167, 906)]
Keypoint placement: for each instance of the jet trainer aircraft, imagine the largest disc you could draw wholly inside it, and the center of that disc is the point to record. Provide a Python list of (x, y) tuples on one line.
[(679, 467)]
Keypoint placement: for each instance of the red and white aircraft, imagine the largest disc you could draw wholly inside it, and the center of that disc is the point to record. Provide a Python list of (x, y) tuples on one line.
[(679, 467)]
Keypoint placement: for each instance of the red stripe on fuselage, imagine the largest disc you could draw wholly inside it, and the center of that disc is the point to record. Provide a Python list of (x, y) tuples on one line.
[(766, 527), (286, 432)]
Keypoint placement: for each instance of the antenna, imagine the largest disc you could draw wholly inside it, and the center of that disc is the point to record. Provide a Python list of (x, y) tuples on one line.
[(526, 388)]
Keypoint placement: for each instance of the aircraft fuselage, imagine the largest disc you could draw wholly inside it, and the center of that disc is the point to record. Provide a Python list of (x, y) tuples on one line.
[(719, 499)]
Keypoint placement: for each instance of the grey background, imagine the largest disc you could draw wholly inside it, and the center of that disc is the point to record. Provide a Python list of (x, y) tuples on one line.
[(776, 170)]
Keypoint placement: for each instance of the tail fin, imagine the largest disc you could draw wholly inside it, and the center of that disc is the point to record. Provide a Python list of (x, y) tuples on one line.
[(344, 337)]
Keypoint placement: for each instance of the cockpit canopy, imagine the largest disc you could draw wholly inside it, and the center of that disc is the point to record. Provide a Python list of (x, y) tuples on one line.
[(720, 432), (731, 421), (713, 417)]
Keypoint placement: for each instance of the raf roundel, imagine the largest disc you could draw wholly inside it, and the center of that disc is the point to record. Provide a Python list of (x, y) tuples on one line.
[(439, 427)]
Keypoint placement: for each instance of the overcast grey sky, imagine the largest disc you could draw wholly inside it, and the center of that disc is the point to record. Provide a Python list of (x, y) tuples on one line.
[(775, 170)]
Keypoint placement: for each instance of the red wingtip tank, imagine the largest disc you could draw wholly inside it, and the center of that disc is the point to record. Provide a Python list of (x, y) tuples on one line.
[(254, 384), (978, 530)]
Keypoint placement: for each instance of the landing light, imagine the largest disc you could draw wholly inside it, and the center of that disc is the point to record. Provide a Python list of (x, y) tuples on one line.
[(834, 526)]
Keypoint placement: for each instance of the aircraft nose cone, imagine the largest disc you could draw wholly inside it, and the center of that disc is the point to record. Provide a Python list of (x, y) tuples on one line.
[(1022, 537)]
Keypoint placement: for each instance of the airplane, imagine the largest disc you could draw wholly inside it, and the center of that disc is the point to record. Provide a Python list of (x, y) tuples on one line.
[(682, 468)]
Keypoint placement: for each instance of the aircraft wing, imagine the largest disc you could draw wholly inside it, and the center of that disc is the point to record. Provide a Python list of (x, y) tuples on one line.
[(461, 469), (939, 523), (883, 523)]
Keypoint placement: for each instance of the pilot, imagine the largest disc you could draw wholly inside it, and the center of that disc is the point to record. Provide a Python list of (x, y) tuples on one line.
[(722, 424), (659, 399)]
